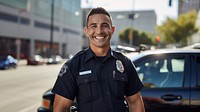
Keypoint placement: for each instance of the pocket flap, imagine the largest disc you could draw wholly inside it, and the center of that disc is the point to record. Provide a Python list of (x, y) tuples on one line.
[(121, 77), (86, 79)]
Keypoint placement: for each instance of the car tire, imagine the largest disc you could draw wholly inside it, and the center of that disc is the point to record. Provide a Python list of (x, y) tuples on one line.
[(6, 67)]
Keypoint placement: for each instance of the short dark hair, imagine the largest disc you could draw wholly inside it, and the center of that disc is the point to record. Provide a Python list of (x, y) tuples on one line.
[(98, 10)]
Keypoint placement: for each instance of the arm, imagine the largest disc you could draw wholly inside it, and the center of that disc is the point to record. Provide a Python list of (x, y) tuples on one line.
[(61, 104), (135, 103)]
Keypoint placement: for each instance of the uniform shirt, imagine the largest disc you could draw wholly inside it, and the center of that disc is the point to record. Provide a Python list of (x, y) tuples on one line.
[(99, 84)]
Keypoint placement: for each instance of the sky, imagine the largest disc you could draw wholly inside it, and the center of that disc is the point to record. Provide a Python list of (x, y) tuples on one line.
[(161, 7)]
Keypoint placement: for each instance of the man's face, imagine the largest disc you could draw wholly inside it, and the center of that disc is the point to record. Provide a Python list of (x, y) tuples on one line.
[(99, 30)]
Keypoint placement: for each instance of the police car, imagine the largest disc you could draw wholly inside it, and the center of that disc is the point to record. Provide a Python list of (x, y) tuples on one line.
[(171, 79)]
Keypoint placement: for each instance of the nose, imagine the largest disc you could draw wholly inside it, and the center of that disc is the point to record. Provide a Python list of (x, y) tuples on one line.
[(99, 30)]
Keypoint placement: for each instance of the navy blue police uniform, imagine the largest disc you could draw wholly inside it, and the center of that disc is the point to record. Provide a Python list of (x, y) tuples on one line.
[(99, 84)]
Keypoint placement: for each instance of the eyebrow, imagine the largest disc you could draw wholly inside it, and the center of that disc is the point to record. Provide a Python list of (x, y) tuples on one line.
[(105, 23), (92, 24)]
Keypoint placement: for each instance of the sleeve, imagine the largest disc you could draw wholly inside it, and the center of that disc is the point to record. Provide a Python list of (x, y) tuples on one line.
[(65, 84), (134, 84)]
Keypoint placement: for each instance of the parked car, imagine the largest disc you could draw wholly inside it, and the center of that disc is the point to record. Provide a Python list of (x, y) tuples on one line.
[(193, 46), (7, 61), (55, 59), (123, 49), (35, 60), (127, 49), (171, 79)]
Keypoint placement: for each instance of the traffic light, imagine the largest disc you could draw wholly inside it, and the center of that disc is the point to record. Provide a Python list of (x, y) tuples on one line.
[(170, 2), (157, 39)]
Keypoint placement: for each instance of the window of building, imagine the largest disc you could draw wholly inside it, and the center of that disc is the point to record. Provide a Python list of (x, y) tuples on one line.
[(19, 4)]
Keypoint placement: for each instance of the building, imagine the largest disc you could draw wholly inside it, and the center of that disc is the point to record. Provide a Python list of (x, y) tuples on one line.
[(30, 27), (189, 5), (144, 21)]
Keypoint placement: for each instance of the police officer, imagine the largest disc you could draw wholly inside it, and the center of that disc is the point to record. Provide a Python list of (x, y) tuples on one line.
[(100, 79)]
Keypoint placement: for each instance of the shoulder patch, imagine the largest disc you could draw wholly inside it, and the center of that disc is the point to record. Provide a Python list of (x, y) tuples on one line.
[(63, 70)]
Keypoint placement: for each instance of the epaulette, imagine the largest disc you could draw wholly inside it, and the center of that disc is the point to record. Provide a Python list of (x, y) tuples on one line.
[(78, 54), (117, 52), (119, 55)]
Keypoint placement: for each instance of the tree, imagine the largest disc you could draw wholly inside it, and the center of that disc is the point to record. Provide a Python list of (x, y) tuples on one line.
[(178, 31), (123, 36), (137, 37)]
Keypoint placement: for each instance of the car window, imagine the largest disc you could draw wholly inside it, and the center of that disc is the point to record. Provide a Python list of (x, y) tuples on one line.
[(161, 72)]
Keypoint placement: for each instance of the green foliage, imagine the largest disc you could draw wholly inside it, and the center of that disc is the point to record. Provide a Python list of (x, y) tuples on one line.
[(123, 36), (137, 37), (178, 31)]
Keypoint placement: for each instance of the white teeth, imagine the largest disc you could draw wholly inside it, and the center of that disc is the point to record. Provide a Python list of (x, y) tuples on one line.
[(99, 37)]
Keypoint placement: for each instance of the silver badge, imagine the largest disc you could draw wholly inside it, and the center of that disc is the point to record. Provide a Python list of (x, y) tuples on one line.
[(119, 66)]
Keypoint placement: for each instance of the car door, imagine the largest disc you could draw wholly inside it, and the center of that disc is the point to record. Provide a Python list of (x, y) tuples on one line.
[(163, 76), (195, 83)]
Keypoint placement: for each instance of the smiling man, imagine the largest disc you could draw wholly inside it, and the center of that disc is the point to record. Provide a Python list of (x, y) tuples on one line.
[(100, 79)]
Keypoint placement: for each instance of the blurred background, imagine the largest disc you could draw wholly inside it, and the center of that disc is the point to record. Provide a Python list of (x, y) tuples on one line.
[(34, 32)]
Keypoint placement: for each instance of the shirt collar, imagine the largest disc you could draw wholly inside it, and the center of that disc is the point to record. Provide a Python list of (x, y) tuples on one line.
[(90, 54)]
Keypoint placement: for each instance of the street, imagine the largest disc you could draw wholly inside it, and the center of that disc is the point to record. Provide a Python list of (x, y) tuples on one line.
[(21, 89)]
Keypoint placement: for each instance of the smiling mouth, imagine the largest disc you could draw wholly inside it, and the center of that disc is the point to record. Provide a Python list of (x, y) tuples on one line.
[(98, 37)]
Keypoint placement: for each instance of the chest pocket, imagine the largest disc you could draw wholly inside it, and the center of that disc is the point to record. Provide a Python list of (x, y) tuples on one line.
[(87, 85), (119, 80)]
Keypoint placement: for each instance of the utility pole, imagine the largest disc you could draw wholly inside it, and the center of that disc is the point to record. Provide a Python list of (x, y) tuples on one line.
[(131, 18), (51, 28), (18, 41)]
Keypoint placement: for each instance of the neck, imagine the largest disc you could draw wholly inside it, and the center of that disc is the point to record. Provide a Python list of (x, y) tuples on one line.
[(100, 51)]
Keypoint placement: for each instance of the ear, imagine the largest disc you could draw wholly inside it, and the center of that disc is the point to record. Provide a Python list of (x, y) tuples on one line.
[(113, 29), (86, 31)]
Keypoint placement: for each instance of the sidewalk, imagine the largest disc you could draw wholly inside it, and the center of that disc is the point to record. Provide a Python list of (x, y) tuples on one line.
[(22, 62)]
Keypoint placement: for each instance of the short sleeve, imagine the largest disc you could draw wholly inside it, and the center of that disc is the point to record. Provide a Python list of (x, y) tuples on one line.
[(65, 84), (134, 84)]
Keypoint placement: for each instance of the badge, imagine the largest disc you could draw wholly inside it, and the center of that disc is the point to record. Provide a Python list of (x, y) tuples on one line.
[(119, 66), (63, 70)]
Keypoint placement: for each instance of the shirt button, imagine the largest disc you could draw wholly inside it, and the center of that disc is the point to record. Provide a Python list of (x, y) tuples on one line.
[(86, 80)]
